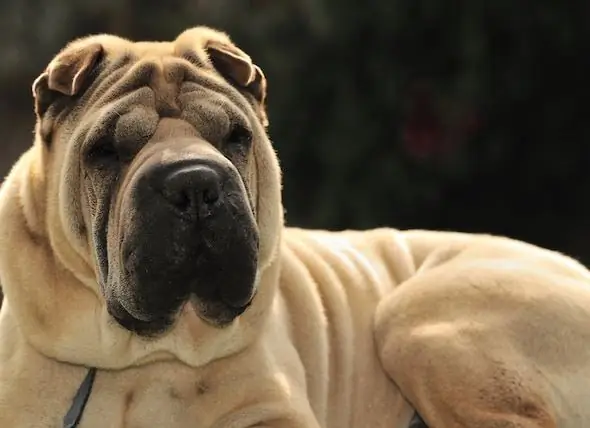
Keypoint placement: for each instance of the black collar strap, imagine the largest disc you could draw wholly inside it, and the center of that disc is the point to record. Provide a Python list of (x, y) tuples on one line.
[(417, 422), (74, 415)]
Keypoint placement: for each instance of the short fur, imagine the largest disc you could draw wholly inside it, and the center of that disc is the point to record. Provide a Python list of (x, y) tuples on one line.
[(341, 329)]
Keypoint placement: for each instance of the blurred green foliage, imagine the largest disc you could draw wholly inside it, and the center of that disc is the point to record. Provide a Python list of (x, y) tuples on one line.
[(466, 115)]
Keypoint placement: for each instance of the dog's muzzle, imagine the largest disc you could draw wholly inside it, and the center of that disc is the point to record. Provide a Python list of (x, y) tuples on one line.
[(190, 236)]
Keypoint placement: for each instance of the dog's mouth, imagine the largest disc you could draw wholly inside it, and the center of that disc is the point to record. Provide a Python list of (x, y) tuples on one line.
[(188, 237), (150, 296), (215, 313)]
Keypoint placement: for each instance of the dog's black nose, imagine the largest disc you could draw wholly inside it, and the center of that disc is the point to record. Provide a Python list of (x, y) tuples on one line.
[(193, 190)]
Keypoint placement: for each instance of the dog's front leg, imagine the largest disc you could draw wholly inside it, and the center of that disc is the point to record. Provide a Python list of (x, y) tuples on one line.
[(271, 416), (300, 420), (288, 423), (284, 424)]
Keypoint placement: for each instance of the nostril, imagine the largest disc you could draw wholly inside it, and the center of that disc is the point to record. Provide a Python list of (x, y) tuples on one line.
[(210, 195), (175, 195), (181, 201)]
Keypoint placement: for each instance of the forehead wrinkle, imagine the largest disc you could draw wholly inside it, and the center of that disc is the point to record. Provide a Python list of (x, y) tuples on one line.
[(165, 82), (164, 74), (219, 90)]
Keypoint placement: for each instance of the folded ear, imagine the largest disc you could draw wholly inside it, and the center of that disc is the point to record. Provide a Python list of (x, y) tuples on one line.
[(236, 65), (232, 63), (67, 74)]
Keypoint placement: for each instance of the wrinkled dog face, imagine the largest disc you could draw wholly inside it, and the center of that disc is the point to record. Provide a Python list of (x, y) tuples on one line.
[(161, 144)]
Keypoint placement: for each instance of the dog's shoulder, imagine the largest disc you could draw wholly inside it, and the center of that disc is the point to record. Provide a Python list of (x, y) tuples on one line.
[(379, 256), (372, 243)]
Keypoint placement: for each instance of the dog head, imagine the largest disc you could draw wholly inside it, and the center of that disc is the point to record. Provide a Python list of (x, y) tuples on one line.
[(152, 178)]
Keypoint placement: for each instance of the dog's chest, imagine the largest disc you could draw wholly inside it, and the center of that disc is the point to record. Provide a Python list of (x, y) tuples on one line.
[(173, 398)]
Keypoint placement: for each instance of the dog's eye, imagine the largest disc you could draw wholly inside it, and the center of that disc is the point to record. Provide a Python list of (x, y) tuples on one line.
[(103, 152), (239, 136)]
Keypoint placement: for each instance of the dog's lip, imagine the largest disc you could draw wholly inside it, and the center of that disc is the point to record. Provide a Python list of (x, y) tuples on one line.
[(145, 318), (225, 316), (148, 328), (239, 307), (217, 313)]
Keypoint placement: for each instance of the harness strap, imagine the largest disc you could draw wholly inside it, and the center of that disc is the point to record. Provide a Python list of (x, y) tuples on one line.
[(417, 422), (74, 416)]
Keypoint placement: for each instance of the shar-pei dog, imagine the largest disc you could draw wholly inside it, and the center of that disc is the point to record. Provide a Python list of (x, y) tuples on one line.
[(149, 279)]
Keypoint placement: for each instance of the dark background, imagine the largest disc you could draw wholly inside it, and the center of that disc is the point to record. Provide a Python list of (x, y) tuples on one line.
[(467, 115)]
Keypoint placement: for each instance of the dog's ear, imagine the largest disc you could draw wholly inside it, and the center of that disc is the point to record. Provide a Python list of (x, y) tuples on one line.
[(67, 74), (237, 67), (231, 62)]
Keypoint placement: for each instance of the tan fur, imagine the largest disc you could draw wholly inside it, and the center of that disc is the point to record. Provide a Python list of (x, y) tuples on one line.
[(347, 329)]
